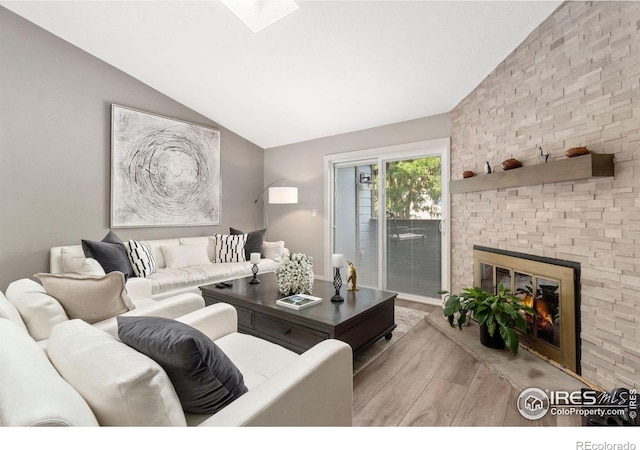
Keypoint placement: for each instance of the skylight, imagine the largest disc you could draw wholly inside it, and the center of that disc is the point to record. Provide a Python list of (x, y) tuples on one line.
[(259, 14)]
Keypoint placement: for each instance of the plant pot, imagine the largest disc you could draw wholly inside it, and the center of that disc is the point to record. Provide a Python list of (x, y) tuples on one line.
[(487, 340)]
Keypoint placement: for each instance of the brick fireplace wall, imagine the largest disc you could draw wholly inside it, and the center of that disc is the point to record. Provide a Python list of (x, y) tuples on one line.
[(574, 81)]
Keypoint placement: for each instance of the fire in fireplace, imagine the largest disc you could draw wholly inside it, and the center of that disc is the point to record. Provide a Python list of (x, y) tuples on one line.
[(545, 301), (550, 287)]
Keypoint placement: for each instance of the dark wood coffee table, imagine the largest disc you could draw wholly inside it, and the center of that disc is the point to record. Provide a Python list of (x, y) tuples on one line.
[(364, 317)]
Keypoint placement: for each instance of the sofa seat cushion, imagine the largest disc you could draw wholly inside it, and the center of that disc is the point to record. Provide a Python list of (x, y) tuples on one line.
[(122, 386), (169, 279), (265, 265), (257, 365), (264, 359), (171, 308), (32, 393)]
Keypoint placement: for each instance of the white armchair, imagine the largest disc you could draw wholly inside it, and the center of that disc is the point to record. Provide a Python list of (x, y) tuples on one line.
[(284, 388)]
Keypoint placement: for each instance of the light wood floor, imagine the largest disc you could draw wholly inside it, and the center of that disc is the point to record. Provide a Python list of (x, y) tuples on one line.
[(425, 379)]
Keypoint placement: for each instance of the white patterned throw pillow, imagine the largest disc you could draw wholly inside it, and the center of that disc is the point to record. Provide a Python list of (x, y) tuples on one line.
[(142, 259), (230, 248)]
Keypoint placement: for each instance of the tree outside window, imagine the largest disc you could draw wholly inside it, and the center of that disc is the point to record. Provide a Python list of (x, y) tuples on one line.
[(414, 188)]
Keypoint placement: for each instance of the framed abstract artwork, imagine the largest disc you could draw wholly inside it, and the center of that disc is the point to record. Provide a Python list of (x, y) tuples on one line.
[(164, 172)]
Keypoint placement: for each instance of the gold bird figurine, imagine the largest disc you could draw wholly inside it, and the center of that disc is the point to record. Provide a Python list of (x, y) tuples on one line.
[(352, 277)]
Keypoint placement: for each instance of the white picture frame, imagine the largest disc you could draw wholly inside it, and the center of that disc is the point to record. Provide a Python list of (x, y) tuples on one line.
[(164, 172)]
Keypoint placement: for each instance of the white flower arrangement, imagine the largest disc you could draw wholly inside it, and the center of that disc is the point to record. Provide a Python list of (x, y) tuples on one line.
[(295, 274)]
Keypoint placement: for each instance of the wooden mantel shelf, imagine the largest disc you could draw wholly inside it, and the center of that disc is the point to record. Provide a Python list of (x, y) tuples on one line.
[(570, 169)]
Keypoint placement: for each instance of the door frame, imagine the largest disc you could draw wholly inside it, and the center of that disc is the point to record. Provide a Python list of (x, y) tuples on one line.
[(434, 147)]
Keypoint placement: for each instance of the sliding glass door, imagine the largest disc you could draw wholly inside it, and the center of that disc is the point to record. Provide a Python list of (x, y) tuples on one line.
[(355, 230), (388, 217), (413, 257)]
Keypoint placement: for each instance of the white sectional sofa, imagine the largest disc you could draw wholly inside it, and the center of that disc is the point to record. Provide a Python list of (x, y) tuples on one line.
[(87, 377), (183, 276)]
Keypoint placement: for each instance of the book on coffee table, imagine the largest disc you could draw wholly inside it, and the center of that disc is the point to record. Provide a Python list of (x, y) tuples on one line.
[(298, 301)]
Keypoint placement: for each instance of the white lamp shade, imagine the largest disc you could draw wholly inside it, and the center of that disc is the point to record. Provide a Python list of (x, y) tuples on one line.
[(337, 260), (283, 195)]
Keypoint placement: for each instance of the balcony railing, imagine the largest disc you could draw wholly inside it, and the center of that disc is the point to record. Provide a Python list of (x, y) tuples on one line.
[(412, 260)]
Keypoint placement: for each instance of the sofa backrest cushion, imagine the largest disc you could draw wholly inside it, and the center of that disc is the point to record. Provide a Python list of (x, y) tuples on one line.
[(201, 240), (156, 245), (204, 377), (273, 250), (74, 261), (32, 393), (122, 386), (86, 297), (40, 311), (10, 312), (185, 256)]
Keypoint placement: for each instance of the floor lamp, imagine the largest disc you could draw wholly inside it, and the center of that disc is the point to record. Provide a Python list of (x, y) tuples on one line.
[(278, 195)]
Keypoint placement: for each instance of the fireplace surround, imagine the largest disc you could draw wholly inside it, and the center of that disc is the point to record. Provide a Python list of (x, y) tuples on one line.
[(550, 286)]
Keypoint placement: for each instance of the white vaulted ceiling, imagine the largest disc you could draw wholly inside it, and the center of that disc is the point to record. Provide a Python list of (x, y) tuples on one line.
[(327, 68)]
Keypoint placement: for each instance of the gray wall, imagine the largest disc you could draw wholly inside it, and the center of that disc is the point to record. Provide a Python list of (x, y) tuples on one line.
[(55, 105), (302, 165)]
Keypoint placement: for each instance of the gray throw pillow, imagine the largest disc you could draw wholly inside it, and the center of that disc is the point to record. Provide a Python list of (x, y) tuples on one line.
[(255, 240), (204, 377), (111, 253)]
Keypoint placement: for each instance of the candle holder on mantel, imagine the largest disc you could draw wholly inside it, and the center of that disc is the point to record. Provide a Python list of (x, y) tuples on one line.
[(255, 259), (337, 261)]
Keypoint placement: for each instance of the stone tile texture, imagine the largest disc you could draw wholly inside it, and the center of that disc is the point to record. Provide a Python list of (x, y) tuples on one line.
[(575, 81)]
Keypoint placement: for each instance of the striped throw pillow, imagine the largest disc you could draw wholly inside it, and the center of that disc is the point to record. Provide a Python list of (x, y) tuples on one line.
[(230, 248), (142, 259)]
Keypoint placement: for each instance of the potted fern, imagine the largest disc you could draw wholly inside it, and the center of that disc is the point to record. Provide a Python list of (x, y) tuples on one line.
[(501, 312)]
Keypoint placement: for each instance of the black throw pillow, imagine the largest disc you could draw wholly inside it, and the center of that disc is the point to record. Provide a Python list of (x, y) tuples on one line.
[(204, 377), (254, 243), (111, 253)]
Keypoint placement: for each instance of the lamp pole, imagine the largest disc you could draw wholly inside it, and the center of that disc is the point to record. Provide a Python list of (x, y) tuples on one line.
[(264, 205)]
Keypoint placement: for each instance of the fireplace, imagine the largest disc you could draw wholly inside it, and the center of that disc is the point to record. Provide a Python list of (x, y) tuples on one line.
[(550, 286)]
